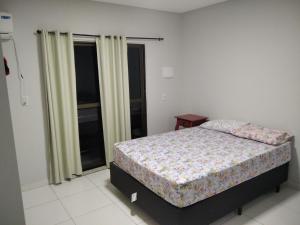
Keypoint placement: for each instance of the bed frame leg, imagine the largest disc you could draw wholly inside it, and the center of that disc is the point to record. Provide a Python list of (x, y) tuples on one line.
[(277, 189), (240, 211)]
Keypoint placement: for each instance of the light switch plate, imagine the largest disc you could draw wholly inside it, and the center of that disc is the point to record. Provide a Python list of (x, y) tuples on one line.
[(134, 197), (167, 72), (25, 100)]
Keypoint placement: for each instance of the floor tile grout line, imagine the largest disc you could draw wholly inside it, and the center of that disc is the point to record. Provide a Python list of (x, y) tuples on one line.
[(67, 212), (119, 207), (110, 198), (93, 210), (72, 218), (123, 210), (53, 185), (107, 195), (270, 198), (59, 199), (279, 202), (70, 195), (67, 196), (291, 209), (40, 204), (63, 222), (248, 216), (50, 185), (92, 180), (253, 218), (115, 203)]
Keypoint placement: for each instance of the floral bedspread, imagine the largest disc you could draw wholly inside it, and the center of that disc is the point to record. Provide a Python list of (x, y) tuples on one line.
[(189, 165)]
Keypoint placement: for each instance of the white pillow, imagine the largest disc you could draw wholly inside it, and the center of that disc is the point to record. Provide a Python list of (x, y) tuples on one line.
[(262, 134), (226, 126)]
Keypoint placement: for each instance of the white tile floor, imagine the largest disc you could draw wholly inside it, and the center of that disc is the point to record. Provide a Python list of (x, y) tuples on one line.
[(92, 200)]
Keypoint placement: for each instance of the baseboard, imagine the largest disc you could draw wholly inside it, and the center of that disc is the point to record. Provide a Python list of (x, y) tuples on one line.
[(293, 184), (28, 187)]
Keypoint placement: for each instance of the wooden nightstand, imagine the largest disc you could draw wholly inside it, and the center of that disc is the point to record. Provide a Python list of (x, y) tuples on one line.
[(189, 120)]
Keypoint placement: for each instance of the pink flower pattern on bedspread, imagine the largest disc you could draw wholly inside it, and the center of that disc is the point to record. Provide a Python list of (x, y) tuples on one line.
[(262, 134), (190, 165)]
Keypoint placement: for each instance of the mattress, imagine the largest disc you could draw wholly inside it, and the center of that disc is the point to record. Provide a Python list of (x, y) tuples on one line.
[(187, 166)]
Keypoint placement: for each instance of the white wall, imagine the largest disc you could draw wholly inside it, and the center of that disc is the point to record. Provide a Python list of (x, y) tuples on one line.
[(238, 59), (11, 207), (91, 18), (242, 61)]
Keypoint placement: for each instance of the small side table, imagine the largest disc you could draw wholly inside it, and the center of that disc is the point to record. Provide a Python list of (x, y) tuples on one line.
[(189, 120)]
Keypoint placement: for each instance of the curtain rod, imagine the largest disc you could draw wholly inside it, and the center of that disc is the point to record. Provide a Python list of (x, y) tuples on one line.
[(93, 35)]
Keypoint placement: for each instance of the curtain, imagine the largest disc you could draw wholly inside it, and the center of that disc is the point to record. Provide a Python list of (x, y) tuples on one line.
[(60, 83), (114, 91)]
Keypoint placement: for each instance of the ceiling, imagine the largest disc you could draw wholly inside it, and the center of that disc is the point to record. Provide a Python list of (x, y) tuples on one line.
[(178, 6)]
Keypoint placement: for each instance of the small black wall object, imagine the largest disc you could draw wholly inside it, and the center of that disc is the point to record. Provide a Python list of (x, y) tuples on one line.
[(6, 67)]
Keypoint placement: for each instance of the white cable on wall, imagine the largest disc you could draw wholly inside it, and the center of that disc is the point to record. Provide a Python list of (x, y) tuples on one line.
[(23, 97)]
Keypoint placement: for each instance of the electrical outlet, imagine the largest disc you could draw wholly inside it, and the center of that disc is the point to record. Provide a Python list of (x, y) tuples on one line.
[(133, 197)]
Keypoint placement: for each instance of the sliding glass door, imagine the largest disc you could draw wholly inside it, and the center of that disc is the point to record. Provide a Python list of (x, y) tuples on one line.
[(137, 89), (89, 106)]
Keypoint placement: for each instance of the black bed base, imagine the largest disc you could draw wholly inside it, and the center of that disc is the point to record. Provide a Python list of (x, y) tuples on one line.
[(205, 211)]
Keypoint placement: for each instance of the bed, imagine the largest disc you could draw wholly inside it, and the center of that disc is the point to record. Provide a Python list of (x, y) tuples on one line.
[(196, 175)]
